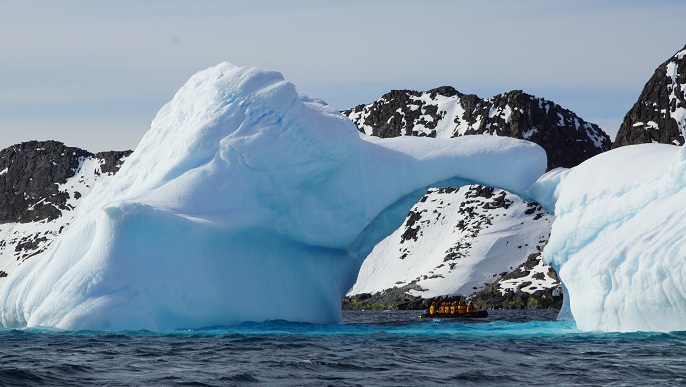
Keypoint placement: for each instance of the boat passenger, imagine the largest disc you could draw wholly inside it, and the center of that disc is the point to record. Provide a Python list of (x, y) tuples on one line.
[(471, 308), (452, 308), (461, 308), (432, 308)]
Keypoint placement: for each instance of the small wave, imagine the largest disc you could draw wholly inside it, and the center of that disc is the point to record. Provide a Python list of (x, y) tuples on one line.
[(16, 376), (241, 378), (408, 352), (318, 364)]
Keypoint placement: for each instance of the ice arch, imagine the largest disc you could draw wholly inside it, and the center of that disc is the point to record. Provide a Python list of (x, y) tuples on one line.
[(244, 202)]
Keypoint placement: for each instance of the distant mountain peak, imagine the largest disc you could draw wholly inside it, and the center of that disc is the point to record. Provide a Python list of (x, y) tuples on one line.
[(32, 173), (659, 114), (444, 112)]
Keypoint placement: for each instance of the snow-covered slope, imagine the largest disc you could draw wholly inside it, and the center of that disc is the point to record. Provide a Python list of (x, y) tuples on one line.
[(42, 185), (618, 240), (243, 202), (659, 115), (455, 240)]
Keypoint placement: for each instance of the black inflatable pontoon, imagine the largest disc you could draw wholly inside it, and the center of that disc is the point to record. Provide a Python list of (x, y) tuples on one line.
[(477, 314)]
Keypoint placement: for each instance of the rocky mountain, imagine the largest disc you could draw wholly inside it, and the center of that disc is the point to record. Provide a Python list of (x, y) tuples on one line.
[(474, 241), (31, 174), (659, 115), (41, 185), (444, 112), (456, 240)]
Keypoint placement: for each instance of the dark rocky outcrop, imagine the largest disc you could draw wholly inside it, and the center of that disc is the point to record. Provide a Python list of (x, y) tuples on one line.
[(112, 160), (567, 139), (30, 173), (493, 297), (659, 115), (390, 299)]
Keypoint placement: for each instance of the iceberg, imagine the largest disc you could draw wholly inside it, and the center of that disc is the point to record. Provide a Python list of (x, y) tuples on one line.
[(245, 201), (618, 239)]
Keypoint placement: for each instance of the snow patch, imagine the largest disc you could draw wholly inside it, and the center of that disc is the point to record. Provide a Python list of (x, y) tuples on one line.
[(537, 279), (527, 135)]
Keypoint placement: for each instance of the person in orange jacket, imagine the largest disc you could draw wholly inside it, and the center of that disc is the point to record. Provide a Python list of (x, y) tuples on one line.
[(461, 308)]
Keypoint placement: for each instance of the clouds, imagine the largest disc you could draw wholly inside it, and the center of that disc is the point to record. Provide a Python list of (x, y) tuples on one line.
[(66, 60)]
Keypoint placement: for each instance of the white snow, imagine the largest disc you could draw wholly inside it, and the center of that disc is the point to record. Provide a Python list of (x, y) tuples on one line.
[(534, 277), (503, 242), (448, 109), (527, 135), (4, 171), (594, 136), (618, 240), (243, 203), (359, 118), (503, 112), (679, 113)]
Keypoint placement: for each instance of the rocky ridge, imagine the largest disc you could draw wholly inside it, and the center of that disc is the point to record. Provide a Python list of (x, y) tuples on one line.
[(31, 174), (444, 112), (659, 115), (41, 186), (487, 235)]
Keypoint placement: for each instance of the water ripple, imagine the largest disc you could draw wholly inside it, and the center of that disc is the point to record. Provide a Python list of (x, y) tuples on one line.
[(370, 348)]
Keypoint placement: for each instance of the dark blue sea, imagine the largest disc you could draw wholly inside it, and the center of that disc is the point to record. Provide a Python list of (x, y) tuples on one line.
[(392, 348)]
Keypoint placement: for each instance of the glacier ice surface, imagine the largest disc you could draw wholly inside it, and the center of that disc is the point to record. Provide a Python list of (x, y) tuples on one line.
[(243, 202), (618, 239)]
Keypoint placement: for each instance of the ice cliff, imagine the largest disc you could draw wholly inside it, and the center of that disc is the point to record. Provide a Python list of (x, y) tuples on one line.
[(618, 240), (244, 202)]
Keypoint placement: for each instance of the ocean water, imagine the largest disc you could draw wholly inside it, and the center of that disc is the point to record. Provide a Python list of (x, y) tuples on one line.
[(368, 348)]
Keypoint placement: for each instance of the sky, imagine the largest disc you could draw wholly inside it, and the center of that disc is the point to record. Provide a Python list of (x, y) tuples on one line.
[(93, 74)]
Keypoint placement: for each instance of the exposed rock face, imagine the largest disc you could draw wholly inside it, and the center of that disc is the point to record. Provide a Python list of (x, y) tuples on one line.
[(390, 299), (532, 285), (445, 112), (659, 115), (41, 185), (30, 175), (29, 185)]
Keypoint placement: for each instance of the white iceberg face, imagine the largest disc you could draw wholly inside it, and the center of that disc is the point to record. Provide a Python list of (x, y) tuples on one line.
[(244, 202), (618, 240)]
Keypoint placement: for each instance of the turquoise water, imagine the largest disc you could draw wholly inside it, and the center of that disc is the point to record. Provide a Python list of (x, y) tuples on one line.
[(368, 348)]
